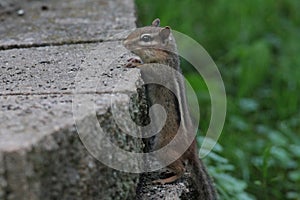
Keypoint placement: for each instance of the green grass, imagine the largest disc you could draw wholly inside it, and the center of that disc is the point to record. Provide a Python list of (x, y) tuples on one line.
[(256, 47)]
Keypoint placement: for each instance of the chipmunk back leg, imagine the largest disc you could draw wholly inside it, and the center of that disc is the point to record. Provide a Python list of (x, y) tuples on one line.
[(177, 168)]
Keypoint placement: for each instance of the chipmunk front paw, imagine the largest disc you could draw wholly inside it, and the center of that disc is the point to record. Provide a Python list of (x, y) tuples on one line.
[(134, 62)]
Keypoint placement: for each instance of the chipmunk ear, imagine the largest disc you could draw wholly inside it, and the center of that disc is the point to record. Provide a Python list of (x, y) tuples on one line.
[(165, 32), (156, 22)]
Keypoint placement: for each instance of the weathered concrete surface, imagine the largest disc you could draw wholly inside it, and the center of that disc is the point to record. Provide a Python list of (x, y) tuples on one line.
[(54, 69), (70, 21), (41, 154), (36, 111), (45, 159)]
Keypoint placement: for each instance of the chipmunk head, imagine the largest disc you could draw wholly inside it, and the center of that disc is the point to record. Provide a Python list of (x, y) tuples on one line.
[(151, 42)]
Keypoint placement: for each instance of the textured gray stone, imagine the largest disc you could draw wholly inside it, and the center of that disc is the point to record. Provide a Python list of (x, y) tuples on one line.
[(54, 56), (42, 153), (70, 21), (93, 67), (59, 167)]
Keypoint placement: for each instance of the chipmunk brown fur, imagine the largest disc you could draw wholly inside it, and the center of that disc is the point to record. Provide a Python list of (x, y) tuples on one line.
[(155, 44)]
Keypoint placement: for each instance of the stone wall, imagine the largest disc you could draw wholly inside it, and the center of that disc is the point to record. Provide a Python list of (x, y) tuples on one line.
[(47, 48)]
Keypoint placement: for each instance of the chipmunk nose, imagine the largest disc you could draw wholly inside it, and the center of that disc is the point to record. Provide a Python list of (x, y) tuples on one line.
[(126, 43)]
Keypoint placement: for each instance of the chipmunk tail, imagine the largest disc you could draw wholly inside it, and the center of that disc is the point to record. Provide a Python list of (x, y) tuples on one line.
[(201, 179)]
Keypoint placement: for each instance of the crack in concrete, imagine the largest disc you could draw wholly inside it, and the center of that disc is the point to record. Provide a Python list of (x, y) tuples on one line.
[(63, 93), (50, 44)]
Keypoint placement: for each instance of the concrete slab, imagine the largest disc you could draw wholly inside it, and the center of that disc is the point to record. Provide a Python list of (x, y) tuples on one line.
[(42, 156), (36, 94), (41, 152), (27, 119), (62, 69), (36, 114), (42, 23)]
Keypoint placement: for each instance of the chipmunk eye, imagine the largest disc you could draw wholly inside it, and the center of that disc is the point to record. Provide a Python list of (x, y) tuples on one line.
[(146, 38)]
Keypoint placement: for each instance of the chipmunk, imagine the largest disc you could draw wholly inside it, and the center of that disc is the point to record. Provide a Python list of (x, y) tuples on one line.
[(155, 44)]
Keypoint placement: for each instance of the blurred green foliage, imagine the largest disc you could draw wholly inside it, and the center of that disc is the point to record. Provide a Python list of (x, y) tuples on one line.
[(256, 45)]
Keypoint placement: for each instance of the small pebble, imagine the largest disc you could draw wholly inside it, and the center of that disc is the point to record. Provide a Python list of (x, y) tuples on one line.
[(21, 12)]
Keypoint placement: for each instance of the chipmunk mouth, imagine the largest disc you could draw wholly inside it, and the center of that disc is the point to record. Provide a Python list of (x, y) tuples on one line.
[(128, 45)]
